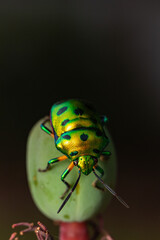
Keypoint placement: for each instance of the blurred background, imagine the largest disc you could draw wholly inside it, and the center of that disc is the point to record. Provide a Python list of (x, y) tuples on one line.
[(107, 52)]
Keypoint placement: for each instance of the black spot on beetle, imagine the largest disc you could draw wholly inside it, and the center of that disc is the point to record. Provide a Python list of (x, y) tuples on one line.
[(73, 153), (78, 111), (96, 150), (67, 137), (61, 110), (65, 122), (84, 137)]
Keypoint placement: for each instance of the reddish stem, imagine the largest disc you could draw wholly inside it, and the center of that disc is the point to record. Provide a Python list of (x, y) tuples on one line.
[(68, 231), (73, 231)]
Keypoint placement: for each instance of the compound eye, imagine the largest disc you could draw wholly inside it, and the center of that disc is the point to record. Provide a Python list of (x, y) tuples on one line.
[(75, 162)]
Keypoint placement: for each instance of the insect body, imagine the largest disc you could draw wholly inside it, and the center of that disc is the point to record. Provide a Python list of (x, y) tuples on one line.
[(78, 133)]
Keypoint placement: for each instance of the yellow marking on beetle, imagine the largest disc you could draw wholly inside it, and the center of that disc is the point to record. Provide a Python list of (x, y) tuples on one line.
[(79, 122), (82, 147)]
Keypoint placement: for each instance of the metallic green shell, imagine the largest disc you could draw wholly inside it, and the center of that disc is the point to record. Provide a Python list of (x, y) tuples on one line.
[(78, 129)]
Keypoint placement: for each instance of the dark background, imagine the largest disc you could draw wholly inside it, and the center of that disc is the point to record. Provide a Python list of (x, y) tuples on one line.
[(107, 52)]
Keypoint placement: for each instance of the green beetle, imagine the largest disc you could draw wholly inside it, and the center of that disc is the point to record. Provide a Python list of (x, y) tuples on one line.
[(78, 133)]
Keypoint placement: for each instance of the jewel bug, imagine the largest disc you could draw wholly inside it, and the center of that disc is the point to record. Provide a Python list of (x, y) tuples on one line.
[(78, 132)]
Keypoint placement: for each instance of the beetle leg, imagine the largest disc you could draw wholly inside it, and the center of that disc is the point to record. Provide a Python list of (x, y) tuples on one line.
[(63, 176), (106, 153), (104, 119), (105, 156), (72, 190), (45, 129), (94, 184), (111, 190), (52, 161)]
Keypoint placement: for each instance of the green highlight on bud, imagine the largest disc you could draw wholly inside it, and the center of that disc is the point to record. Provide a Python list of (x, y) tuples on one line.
[(47, 187)]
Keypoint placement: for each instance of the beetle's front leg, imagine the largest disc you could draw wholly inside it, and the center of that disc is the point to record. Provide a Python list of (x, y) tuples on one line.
[(63, 176), (94, 184), (52, 161), (45, 129), (105, 155)]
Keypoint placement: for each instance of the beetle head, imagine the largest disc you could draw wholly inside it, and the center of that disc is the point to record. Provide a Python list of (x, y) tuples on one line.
[(85, 163)]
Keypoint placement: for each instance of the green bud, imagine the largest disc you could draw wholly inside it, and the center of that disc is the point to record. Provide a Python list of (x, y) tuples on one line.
[(47, 187)]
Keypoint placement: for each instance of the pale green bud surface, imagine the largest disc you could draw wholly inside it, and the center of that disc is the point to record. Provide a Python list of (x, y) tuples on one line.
[(47, 187)]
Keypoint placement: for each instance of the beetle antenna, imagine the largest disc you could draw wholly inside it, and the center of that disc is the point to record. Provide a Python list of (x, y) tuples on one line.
[(111, 191), (69, 195)]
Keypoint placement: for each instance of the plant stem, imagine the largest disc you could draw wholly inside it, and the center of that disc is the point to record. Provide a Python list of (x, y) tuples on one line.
[(73, 231)]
